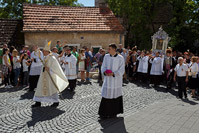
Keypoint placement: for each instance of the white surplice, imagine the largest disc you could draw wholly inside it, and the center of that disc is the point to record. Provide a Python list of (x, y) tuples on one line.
[(70, 68), (143, 64), (157, 66), (112, 86), (35, 68)]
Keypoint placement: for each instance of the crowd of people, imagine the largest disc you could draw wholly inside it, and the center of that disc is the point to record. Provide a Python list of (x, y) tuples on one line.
[(23, 68)]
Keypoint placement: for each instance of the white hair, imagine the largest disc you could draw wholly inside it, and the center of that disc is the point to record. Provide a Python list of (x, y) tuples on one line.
[(180, 58)]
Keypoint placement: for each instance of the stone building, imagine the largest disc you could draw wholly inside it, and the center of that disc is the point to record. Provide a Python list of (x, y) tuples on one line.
[(77, 26), (10, 32)]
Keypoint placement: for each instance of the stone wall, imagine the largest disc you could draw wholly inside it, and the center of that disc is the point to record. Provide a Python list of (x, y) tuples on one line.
[(84, 39), (10, 32)]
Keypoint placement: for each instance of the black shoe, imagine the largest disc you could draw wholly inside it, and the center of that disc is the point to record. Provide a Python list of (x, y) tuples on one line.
[(101, 117), (72, 90), (113, 116), (37, 104), (54, 105), (30, 90)]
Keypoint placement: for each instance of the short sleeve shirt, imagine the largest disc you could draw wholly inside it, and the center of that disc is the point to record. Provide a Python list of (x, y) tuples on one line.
[(181, 70)]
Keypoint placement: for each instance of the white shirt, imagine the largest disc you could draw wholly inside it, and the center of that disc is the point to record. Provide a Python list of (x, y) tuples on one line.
[(124, 56), (15, 63), (194, 70), (112, 86), (181, 70), (25, 66), (8, 59), (143, 64), (35, 55), (36, 67), (156, 68)]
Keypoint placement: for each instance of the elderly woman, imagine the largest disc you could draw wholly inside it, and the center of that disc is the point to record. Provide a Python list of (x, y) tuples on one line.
[(194, 74)]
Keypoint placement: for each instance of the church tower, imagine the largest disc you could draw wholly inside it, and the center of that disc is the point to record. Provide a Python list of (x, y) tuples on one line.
[(100, 3)]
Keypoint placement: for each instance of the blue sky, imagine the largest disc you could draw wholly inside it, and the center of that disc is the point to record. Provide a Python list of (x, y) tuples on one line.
[(87, 2)]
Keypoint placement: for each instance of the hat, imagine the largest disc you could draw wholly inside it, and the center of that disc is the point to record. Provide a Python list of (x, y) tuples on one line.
[(47, 46), (186, 53)]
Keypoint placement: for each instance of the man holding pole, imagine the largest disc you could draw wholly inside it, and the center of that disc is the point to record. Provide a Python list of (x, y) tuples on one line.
[(51, 81)]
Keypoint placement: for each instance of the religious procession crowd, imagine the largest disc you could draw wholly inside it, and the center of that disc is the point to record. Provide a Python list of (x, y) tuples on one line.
[(50, 70)]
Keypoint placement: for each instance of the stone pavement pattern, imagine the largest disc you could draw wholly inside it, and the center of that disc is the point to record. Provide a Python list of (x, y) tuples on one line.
[(167, 116), (76, 113)]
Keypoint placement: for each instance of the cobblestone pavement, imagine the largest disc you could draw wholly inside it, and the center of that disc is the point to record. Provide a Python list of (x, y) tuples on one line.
[(167, 116), (76, 113)]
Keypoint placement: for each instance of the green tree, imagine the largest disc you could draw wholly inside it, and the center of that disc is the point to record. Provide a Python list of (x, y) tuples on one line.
[(138, 18), (183, 28), (14, 8)]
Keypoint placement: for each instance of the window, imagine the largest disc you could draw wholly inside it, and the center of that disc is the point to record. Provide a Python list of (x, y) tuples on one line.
[(96, 49)]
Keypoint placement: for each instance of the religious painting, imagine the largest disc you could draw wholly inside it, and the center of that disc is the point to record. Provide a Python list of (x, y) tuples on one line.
[(159, 44), (160, 41)]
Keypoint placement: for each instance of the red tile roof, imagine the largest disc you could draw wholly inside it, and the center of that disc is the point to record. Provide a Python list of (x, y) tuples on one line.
[(42, 18)]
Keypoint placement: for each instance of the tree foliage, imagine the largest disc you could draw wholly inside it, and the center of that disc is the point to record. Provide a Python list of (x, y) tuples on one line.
[(14, 8), (138, 18)]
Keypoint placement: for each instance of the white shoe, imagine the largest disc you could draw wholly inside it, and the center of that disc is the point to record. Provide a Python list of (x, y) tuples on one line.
[(11, 86), (7, 87)]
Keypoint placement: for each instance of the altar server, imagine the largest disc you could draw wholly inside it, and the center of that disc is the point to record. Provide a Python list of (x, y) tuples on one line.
[(70, 66), (113, 68), (156, 69), (36, 66), (143, 66)]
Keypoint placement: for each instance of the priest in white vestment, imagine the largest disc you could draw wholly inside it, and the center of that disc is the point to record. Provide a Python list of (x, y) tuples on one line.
[(143, 66), (70, 65), (156, 69), (51, 81), (113, 68)]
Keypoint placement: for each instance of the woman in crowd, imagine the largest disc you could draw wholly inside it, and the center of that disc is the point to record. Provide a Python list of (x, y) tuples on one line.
[(16, 66), (133, 60), (194, 74), (82, 64), (12, 71), (7, 68), (26, 63), (129, 69), (125, 54)]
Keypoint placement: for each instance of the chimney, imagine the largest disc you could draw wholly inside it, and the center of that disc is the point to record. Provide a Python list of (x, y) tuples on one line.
[(100, 3)]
